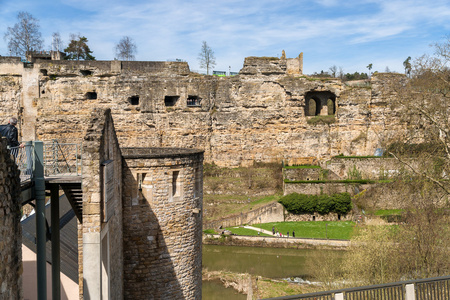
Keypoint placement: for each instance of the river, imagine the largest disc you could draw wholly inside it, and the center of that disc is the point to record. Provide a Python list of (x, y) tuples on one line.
[(266, 262)]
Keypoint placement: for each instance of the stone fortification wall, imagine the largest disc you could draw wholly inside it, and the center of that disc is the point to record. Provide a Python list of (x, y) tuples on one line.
[(162, 213), (323, 188), (368, 168), (102, 229), (10, 229), (258, 115), (273, 212)]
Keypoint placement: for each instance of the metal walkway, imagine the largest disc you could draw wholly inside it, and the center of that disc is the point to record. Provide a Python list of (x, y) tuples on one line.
[(45, 169)]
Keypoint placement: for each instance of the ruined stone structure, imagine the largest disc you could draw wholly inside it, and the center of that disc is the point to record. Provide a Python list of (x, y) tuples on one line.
[(142, 218), (269, 112), (10, 229)]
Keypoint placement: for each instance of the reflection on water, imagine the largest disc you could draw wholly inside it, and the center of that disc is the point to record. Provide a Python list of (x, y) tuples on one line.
[(215, 290), (266, 262)]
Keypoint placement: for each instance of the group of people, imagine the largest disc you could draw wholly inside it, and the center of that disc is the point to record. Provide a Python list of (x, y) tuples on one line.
[(276, 233)]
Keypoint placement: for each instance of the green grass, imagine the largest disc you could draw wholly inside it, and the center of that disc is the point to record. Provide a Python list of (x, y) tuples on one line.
[(388, 212), (348, 156), (209, 231), (361, 181), (328, 119), (340, 230), (245, 231)]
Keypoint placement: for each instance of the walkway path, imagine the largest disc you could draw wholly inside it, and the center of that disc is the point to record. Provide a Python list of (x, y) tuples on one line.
[(263, 231)]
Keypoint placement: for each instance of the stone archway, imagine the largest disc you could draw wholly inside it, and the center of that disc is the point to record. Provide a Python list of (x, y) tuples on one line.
[(320, 103)]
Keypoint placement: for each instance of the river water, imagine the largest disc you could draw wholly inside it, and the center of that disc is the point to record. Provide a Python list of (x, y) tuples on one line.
[(266, 262)]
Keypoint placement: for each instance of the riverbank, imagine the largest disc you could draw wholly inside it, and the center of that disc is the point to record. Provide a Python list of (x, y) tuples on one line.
[(273, 242)]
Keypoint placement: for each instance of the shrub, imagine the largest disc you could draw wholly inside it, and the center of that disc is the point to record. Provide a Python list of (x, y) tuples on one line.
[(323, 204)]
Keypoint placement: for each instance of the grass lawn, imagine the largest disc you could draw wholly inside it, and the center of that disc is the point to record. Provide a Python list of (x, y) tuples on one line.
[(245, 231), (339, 230), (387, 212)]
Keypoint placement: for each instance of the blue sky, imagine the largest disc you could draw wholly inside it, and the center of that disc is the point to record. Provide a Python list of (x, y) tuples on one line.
[(349, 34)]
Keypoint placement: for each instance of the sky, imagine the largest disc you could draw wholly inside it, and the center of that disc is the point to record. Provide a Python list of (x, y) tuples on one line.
[(348, 34)]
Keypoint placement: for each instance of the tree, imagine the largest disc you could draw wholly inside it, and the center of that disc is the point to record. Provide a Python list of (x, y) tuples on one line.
[(126, 49), (24, 35), (78, 48), (333, 70), (206, 57), (407, 65), (369, 66), (57, 43)]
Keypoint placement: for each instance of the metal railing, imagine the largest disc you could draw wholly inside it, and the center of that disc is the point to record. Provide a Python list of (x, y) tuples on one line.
[(24, 158), (422, 289), (63, 159)]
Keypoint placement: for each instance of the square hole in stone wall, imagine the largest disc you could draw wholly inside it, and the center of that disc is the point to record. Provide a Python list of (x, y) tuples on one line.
[(133, 100), (91, 95), (171, 100)]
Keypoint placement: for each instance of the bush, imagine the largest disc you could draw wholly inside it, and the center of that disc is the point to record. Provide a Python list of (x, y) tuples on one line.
[(323, 204)]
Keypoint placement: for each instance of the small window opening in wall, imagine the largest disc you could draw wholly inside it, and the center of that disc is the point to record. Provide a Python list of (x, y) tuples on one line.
[(43, 92), (86, 72), (193, 101), (133, 100), (197, 188), (91, 95), (44, 72), (171, 100), (174, 183), (314, 218)]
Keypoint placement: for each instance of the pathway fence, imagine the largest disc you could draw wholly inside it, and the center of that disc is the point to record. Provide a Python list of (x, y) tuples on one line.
[(437, 288)]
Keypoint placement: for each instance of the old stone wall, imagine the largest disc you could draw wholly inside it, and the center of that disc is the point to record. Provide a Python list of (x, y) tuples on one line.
[(367, 168), (258, 115), (162, 217), (102, 228), (273, 212), (323, 188), (10, 229)]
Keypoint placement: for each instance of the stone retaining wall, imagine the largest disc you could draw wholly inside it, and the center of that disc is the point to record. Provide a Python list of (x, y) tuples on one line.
[(273, 212)]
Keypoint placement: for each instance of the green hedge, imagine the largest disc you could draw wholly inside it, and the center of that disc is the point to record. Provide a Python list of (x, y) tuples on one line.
[(323, 204)]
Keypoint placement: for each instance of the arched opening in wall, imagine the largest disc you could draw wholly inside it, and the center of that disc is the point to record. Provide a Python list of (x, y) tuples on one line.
[(170, 100), (320, 103), (90, 95), (86, 72), (313, 107), (331, 107), (133, 100)]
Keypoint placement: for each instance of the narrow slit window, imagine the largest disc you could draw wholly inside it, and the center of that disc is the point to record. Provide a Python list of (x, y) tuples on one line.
[(175, 190)]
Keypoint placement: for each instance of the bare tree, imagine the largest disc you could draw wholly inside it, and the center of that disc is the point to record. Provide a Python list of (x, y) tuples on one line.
[(333, 70), (206, 57), (57, 43), (24, 35), (126, 49)]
